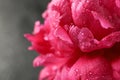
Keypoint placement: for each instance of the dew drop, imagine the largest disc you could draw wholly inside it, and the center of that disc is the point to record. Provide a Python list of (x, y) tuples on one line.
[(80, 74), (90, 73), (46, 38), (76, 71), (87, 1), (58, 53), (96, 77), (103, 76), (54, 67), (82, 33)]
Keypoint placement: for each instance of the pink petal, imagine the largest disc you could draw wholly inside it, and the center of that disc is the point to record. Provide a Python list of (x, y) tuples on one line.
[(91, 68)]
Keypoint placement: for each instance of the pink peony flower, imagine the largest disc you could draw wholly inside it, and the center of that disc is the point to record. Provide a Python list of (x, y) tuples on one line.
[(79, 40)]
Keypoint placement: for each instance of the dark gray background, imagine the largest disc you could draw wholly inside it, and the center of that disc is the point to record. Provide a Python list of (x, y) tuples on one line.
[(16, 18)]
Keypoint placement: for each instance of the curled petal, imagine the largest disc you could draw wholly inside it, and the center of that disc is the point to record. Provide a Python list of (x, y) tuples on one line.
[(61, 33), (87, 43), (48, 73), (86, 40), (49, 59), (37, 27), (110, 40), (104, 22)]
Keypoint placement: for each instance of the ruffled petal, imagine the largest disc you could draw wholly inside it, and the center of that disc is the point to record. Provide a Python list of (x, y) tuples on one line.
[(49, 59)]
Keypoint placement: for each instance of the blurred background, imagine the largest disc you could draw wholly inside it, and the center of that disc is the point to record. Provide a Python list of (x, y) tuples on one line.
[(17, 17)]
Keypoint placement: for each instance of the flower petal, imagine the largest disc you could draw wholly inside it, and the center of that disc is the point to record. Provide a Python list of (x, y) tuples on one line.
[(91, 69)]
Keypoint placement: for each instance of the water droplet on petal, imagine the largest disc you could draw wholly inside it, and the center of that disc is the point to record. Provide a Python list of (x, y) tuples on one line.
[(54, 67), (87, 1), (103, 76), (90, 73), (96, 77), (58, 53), (76, 71), (46, 38)]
